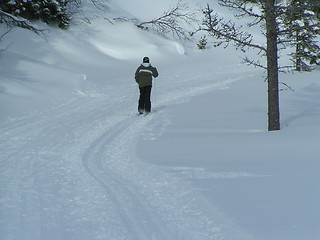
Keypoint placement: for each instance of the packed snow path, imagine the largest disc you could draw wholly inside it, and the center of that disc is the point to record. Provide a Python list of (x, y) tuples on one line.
[(72, 172)]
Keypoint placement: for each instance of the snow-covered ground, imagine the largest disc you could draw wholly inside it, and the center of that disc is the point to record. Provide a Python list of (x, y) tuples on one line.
[(76, 162)]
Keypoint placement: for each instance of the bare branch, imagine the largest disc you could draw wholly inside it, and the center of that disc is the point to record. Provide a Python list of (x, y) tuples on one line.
[(287, 87), (286, 69), (13, 21), (172, 21), (243, 7), (5, 33)]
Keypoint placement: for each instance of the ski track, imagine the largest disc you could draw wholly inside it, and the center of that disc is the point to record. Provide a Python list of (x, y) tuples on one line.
[(72, 173), (121, 197)]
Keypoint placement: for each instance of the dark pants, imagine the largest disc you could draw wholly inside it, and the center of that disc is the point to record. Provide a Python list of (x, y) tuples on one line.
[(144, 100)]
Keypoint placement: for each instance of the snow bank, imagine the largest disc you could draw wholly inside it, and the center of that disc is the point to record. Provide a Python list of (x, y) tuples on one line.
[(77, 163), (67, 62)]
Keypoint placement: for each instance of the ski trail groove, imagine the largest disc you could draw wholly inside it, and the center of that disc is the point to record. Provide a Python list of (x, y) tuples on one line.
[(126, 199)]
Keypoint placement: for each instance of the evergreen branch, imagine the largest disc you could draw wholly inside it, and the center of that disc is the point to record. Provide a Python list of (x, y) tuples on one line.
[(254, 63), (227, 31), (315, 27)]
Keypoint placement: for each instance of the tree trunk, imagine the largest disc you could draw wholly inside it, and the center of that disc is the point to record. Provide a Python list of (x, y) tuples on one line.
[(298, 53), (272, 65)]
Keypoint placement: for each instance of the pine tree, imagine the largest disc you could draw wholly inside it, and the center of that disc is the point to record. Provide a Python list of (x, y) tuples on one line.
[(202, 44), (48, 11), (228, 32), (286, 23), (300, 28)]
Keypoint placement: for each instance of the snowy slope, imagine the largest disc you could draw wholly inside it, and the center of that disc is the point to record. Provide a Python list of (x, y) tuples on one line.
[(77, 162)]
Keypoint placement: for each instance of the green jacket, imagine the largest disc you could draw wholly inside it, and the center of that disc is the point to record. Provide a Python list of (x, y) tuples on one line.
[(144, 74)]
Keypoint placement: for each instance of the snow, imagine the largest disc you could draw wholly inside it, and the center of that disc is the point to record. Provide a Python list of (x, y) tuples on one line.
[(76, 162)]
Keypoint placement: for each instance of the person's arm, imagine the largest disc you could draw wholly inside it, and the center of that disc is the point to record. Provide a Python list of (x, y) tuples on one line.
[(155, 72), (136, 75)]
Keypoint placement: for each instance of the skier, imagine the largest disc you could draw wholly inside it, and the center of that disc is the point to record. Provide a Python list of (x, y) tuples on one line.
[(143, 77)]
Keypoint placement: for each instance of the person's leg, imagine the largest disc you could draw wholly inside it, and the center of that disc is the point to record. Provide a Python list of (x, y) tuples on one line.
[(141, 105), (147, 99)]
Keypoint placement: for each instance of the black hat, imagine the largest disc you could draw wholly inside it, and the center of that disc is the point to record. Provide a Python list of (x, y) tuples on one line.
[(146, 60)]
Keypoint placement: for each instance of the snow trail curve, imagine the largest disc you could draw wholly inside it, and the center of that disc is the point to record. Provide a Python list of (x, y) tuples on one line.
[(127, 202), (72, 172)]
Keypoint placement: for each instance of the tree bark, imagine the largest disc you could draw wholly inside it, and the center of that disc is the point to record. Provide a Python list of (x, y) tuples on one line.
[(298, 53), (272, 66)]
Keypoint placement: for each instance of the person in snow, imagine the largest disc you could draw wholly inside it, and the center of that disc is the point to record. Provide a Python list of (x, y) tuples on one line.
[(143, 77)]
